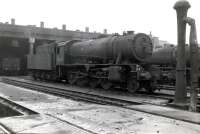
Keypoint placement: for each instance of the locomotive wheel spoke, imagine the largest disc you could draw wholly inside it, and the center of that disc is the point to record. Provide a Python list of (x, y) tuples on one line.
[(82, 82), (43, 76), (149, 87), (52, 77), (40, 76), (33, 76), (93, 83), (37, 76), (47, 76), (151, 90), (132, 86), (105, 84), (72, 79)]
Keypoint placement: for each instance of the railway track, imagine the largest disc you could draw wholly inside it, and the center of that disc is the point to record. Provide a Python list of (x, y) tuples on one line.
[(172, 90), (166, 87), (91, 97), (98, 99), (76, 95), (157, 95)]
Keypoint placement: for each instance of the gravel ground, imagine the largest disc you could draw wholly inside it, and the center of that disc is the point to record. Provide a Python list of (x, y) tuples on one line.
[(97, 118)]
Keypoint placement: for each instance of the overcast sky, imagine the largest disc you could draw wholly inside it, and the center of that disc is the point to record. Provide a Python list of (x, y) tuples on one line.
[(157, 16)]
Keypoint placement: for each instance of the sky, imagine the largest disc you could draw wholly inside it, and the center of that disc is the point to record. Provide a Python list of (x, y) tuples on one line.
[(155, 16)]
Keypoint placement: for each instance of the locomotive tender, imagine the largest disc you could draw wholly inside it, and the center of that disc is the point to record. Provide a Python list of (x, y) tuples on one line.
[(106, 62)]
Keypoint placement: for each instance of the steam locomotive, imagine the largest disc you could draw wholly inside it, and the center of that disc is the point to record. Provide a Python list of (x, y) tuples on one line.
[(162, 65), (114, 61)]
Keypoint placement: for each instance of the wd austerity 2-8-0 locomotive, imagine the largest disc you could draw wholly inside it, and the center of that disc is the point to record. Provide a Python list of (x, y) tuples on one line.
[(107, 62)]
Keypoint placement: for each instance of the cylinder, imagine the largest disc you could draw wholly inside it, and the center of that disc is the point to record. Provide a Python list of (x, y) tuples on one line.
[(132, 48), (181, 8)]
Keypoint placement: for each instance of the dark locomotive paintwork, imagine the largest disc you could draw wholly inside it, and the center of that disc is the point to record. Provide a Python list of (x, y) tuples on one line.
[(111, 61), (163, 56), (132, 48), (167, 56), (163, 65)]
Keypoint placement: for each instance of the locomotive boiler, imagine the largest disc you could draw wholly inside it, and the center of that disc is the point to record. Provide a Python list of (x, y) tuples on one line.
[(114, 50), (168, 56), (106, 62)]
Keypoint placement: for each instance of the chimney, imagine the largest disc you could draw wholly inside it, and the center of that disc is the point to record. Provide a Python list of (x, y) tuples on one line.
[(41, 24), (12, 21), (105, 31), (130, 32), (87, 29), (63, 27)]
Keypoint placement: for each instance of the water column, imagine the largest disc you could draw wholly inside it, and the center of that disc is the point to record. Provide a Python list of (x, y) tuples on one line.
[(181, 8)]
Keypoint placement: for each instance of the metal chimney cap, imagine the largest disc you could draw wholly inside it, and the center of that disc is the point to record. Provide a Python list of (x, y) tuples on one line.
[(182, 4)]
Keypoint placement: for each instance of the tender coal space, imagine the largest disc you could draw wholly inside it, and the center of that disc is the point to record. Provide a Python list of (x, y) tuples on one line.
[(6, 111)]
